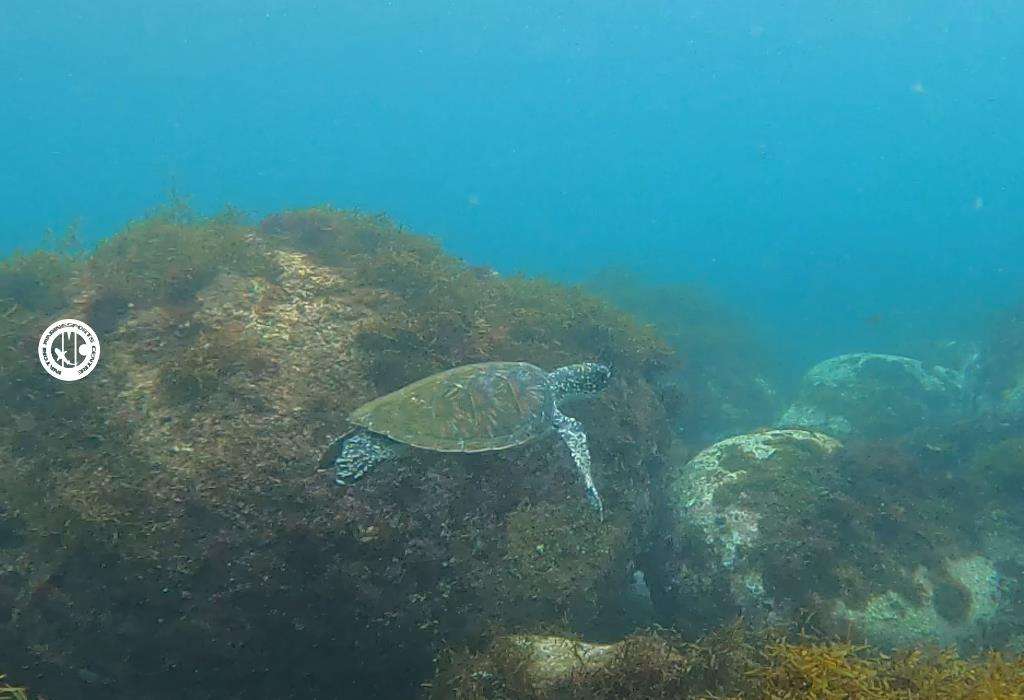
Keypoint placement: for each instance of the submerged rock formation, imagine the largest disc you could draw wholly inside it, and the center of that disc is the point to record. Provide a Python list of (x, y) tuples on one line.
[(875, 396), (717, 507), (164, 528), (787, 525), (946, 606)]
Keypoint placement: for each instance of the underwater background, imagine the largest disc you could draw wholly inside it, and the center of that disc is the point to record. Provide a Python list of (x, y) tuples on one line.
[(844, 173), (792, 231)]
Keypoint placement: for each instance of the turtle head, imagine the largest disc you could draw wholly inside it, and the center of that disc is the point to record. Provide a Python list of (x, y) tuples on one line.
[(583, 379)]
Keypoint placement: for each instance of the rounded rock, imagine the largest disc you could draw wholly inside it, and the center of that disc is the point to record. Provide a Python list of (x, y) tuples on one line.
[(872, 396), (714, 526), (772, 527)]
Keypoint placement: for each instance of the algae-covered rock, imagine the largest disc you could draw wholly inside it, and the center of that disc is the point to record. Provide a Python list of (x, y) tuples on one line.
[(998, 369), (946, 609), (1011, 405), (785, 524), (1001, 394), (547, 666), (550, 663), (167, 531), (875, 396), (732, 662), (718, 505)]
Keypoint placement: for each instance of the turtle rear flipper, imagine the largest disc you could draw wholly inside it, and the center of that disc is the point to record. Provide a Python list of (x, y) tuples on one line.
[(331, 453), (357, 452)]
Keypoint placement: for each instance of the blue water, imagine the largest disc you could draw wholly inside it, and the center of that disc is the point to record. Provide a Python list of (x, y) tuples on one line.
[(841, 172)]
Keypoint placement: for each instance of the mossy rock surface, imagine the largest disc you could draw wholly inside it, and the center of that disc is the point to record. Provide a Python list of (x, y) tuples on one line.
[(948, 608), (167, 531), (731, 663), (718, 505), (874, 396), (1006, 402), (785, 525), (998, 370)]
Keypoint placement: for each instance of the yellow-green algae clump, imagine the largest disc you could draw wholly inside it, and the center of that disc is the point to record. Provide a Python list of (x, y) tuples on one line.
[(10, 692), (731, 663), (164, 528)]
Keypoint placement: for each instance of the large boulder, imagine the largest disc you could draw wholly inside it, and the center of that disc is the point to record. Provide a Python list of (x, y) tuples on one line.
[(707, 573), (786, 525), (873, 396), (165, 529)]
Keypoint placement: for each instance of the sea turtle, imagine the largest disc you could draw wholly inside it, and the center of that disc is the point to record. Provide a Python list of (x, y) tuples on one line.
[(473, 408)]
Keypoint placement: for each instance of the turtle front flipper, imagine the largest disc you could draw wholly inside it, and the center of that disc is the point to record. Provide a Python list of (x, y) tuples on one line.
[(572, 433), (357, 452)]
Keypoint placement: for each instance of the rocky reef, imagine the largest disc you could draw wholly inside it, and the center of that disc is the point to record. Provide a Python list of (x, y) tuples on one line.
[(165, 529), (872, 541)]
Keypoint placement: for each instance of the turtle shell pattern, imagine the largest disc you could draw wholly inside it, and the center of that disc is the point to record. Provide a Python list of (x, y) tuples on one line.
[(472, 408)]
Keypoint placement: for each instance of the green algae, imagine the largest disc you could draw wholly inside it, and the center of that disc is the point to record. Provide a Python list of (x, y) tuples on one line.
[(557, 552), (854, 525), (165, 260), (210, 359), (999, 467), (39, 282), (459, 314), (33, 287)]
